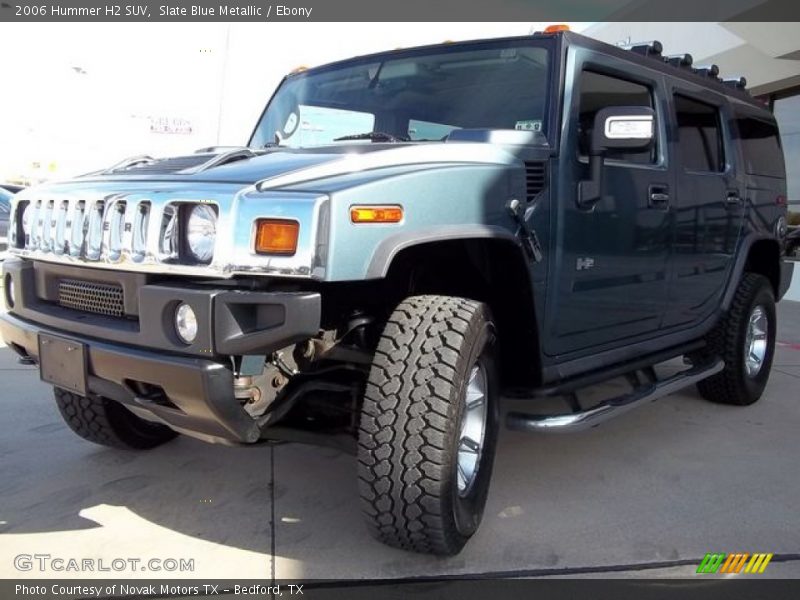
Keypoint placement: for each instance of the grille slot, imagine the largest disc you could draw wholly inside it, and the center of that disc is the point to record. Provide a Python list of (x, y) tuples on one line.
[(535, 179), (107, 230), (99, 298)]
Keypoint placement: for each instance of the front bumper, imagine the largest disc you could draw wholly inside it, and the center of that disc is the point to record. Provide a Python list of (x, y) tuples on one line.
[(142, 364), (200, 392), (231, 322)]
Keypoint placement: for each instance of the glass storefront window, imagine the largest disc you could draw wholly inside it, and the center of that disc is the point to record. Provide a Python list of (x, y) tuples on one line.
[(787, 112)]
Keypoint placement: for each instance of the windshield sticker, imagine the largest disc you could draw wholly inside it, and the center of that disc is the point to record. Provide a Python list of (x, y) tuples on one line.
[(532, 125)]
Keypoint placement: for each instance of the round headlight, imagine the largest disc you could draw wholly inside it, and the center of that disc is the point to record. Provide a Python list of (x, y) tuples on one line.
[(186, 323), (201, 232)]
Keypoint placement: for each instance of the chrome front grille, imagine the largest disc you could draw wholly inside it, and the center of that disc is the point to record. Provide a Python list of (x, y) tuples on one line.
[(108, 230), (99, 298), (141, 230)]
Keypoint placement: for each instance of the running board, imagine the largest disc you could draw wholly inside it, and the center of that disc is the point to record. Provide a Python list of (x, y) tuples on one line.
[(585, 419)]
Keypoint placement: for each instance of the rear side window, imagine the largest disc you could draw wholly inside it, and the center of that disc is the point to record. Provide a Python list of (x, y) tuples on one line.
[(699, 135), (761, 147), (599, 91)]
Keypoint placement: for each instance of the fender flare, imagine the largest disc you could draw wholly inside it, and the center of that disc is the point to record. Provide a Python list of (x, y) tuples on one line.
[(390, 246), (742, 254)]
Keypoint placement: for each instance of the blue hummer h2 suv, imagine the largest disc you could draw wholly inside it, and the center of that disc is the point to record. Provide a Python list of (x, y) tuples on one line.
[(407, 237)]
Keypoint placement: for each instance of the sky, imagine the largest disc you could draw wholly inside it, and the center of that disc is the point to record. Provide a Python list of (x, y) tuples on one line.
[(77, 97)]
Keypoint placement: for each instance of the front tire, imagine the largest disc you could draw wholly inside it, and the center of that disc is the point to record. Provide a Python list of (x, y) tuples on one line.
[(428, 425), (745, 340), (108, 423)]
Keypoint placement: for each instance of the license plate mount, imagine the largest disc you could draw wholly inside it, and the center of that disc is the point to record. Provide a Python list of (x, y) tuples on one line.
[(62, 363)]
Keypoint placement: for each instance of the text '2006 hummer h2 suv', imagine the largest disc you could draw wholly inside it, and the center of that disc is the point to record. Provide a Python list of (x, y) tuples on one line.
[(407, 237)]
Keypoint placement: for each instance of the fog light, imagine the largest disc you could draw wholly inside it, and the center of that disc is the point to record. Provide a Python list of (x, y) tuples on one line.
[(9, 285), (186, 323)]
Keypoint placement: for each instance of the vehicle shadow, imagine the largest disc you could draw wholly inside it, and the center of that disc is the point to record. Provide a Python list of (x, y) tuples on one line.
[(53, 481)]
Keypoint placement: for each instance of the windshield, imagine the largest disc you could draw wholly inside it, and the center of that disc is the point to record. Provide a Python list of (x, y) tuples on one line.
[(421, 95)]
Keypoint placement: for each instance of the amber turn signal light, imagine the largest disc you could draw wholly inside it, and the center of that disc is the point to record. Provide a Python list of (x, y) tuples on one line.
[(276, 236), (376, 214)]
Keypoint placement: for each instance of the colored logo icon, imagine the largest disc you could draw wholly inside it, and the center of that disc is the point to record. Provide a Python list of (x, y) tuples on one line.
[(740, 562)]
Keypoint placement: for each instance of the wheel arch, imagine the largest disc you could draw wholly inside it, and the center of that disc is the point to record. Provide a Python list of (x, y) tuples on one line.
[(493, 269), (757, 254)]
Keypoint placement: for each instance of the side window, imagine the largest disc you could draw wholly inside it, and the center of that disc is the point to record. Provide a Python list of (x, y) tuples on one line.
[(599, 91), (699, 135), (761, 146)]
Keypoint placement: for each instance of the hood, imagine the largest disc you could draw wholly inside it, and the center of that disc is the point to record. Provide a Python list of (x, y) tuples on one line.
[(275, 168)]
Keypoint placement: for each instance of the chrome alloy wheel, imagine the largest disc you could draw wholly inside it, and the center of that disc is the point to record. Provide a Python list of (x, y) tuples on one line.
[(473, 429), (755, 341)]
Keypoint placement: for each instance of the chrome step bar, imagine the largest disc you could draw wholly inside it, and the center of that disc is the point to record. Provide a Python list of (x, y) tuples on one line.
[(614, 407)]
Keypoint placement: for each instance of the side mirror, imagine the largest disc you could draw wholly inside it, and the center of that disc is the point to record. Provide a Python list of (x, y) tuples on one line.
[(615, 128)]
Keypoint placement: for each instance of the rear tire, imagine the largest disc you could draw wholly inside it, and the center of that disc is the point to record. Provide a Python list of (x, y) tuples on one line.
[(108, 423), (431, 393), (745, 340)]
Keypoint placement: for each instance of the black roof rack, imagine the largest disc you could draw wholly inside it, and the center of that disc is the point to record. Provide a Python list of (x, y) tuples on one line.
[(679, 60), (653, 48), (740, 83), (707, 71), (685, 61)]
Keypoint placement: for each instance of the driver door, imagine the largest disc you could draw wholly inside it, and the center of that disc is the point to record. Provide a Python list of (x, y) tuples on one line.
[(611, 266)]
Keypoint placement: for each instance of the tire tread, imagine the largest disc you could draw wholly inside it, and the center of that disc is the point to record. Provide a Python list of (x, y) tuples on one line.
[(403, 446), (104, 422), (726, 387)]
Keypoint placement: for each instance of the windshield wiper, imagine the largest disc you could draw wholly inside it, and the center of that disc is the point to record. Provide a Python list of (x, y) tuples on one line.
[(375, 136), (275, 143)]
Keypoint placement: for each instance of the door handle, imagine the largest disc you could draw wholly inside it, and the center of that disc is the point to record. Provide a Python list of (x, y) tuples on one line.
[(659, 197), (733, 198)]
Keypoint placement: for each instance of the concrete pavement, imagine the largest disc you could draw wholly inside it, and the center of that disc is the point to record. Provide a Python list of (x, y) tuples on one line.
[(660, 486)]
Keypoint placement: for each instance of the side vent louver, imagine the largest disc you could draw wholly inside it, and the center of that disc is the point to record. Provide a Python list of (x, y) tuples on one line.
[(535, 179)]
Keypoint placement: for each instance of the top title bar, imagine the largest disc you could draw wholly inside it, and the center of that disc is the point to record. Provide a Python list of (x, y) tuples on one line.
[(405, 10)]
